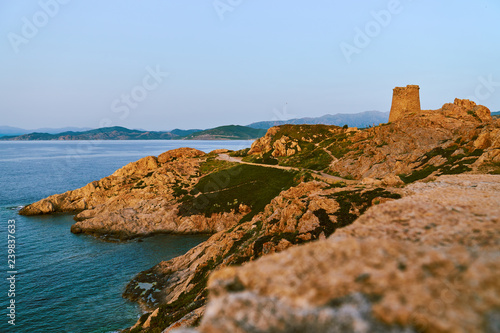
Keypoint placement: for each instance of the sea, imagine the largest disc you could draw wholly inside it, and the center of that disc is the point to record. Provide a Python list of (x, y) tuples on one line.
[(55, 281)]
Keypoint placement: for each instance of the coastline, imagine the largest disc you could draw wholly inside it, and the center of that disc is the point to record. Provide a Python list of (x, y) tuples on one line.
[(186, 190)]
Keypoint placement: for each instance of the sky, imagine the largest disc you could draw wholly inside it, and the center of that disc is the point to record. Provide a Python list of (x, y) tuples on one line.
[(160, 65)]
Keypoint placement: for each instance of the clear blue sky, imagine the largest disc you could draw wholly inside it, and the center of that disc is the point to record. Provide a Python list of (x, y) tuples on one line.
[(240, 62)]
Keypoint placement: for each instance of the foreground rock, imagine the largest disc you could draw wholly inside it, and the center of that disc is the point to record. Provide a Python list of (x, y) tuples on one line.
[(307, 212), (426, 263)]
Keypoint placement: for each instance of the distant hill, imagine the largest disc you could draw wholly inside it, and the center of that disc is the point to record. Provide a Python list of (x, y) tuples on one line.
[(230, 132), (495, 114), (14, 131), (105, 133), (360, 120), (181, 132)]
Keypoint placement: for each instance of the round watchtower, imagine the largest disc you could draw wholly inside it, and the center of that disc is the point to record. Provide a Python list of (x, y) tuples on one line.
[(405, 100)]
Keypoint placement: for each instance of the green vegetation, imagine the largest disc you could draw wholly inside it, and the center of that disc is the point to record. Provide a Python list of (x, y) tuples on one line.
[(496, 168), (265, 158), (231, 132), (309, 133), (454, 164), (357, 201), (339, 145), (182, 133), (275, 238), (188, 301), (473, 113), (492, 168), (240, 153), (314, 146), (316, 159), (224, 190), (179, 190), (213, 165), (140, 184)]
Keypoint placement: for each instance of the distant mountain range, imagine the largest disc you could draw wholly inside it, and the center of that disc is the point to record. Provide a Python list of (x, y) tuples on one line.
[(9, 130), (105, 133), (230, 132), (362, 119)]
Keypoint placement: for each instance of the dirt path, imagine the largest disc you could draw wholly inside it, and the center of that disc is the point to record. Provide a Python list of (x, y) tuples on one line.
[(324, 176)]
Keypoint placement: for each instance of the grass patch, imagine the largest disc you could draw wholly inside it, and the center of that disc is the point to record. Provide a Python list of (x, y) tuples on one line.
[(309, 133), (265, 158), (340, 145), (179, 190), (224, 190), (240, 153), (214, 165), (316, 159)]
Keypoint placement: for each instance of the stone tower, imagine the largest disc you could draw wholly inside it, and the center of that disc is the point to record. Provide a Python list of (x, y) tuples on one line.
[(405, 100)]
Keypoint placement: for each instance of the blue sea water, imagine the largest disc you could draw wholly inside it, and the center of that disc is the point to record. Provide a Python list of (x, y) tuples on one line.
[(66, 282)]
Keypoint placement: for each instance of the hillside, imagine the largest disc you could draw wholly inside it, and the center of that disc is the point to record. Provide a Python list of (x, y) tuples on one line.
[(105, 133), (230, 132), (362, 119), (451, 140), (181, 132)]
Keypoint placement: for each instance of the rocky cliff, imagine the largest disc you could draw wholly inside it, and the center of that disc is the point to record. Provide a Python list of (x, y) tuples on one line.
[(180, 191), (139, 199), (459, 137)]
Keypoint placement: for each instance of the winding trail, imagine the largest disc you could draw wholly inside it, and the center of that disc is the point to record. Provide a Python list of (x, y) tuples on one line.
[(324, 176)]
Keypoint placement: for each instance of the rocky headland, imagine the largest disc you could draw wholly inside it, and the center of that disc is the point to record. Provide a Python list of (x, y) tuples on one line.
[(459, 137), (409, 242)]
